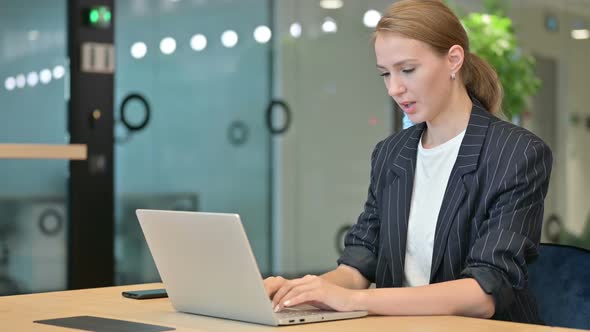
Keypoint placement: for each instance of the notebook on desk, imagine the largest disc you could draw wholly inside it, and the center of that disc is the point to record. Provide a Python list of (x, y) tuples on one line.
[(208, 268)]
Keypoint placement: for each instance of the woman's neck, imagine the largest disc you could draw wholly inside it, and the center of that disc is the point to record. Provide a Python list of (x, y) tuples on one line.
[(450, 122)]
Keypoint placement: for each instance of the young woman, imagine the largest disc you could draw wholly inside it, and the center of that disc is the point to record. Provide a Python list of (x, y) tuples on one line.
[(455, 203)]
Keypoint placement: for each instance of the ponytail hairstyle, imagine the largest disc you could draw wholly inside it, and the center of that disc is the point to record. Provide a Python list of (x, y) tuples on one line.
[(433, 23)]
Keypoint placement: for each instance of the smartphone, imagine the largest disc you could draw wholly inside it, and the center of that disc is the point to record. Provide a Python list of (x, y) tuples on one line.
[(145, 294)]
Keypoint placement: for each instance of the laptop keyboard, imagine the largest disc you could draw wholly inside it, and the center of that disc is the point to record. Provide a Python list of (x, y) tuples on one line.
[(287, 313)]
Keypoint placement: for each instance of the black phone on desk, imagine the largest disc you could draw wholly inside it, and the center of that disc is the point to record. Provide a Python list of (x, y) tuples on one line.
[(145, 294)]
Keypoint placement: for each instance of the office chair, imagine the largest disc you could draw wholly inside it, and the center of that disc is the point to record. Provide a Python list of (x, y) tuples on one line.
[(560, 280)]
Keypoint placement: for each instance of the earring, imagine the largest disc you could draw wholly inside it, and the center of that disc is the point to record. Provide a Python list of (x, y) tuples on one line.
[(453, 76)]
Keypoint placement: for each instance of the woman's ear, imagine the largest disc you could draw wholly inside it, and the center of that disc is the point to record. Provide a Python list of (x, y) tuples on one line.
[(455, 57)]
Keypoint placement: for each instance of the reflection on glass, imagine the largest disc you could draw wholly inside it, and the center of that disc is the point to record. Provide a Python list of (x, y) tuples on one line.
[(21, 81), (168, 45), (580, 34), (58, 72), (295, 30), (45, 76), (229, 38), (198, 42), (10, 83), (331, 4), (329, 25), (262, 34), (138, 50), (32, 79), (371, 18)]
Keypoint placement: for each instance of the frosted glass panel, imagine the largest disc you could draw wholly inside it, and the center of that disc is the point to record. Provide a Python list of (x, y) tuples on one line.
[(206, 146), (33, 74)]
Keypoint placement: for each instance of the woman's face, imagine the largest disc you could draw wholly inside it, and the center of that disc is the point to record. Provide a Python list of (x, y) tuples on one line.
[(416, 77)]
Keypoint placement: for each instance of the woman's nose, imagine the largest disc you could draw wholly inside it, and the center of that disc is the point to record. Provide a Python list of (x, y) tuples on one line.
[(395, 88)]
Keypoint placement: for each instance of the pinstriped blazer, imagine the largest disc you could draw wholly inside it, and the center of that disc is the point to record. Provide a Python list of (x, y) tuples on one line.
[(489, 225)]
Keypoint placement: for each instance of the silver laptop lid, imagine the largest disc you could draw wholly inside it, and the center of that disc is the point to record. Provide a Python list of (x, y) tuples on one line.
[(206, 264)]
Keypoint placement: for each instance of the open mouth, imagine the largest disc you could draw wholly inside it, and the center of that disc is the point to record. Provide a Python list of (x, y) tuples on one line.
[(408, 107)]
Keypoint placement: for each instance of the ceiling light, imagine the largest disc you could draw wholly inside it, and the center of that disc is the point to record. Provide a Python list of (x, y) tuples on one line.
[(168, 45), (371, 18), (21, 81), (45, 76), (331, 4), (580, 34), (198, 42), (32, 79), (58, 72), (138, 50), (10, 83), (329, 25), (295, 30), (262, 34), (229, 38)]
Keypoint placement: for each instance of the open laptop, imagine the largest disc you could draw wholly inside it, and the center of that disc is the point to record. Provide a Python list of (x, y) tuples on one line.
[(207, 266)]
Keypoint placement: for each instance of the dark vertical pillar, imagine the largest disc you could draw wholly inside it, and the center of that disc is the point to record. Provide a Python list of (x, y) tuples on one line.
[(90, 122)]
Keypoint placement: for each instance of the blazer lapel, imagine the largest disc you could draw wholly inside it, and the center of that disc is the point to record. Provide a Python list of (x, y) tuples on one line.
[(467, 162), (398, 194)]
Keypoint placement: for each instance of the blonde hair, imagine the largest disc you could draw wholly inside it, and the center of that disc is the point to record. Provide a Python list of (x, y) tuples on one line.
[(432, 22)]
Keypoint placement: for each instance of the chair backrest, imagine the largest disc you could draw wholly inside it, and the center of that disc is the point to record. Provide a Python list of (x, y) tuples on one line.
[(560, 280)]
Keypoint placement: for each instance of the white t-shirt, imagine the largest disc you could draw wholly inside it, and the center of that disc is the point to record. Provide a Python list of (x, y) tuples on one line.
[(433, 168)]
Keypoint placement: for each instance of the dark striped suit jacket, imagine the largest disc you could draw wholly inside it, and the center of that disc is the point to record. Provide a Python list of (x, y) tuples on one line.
[(489, 225)]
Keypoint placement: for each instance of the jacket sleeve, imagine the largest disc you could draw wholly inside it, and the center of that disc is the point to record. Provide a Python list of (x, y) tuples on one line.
[(362, 240), (510, 234)]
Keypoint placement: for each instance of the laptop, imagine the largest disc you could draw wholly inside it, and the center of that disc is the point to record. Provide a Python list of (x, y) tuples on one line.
[(208, 268)]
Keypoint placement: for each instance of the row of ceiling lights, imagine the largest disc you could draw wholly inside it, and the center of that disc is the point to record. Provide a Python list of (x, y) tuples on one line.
[(262, 34), (33, 78)]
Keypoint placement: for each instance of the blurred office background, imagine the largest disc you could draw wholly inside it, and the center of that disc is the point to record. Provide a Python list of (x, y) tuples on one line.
[(269, 109)]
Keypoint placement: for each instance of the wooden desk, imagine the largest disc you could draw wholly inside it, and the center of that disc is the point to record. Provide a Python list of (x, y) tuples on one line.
[(17, 313)]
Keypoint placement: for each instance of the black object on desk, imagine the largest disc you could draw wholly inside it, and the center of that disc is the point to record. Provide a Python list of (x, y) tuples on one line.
[(101, 324), (145, 294)]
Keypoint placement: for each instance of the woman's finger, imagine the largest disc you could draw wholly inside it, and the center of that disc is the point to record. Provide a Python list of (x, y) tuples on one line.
[(286, 287), (273, 284), (295, 291)]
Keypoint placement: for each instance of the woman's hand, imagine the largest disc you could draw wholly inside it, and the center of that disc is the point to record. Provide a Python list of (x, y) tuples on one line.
[(273, 284), (311, 290)]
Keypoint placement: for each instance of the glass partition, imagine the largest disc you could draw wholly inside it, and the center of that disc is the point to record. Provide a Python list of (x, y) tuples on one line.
[(203, 68), (33, 218)]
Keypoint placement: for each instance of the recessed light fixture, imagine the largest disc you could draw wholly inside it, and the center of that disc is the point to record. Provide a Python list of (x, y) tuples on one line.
[(580, 34), (138, 50), (198, 42), (10, 83), (168, 45), (331, 4), (262, 34), (295, 30), (58, 72), (21, 81), (371, 18), (329, 25), (229, 38), (45, 76), (32, 79)]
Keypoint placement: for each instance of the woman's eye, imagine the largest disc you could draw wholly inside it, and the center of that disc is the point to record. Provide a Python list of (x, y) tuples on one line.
[(384, 74), (408, 70)]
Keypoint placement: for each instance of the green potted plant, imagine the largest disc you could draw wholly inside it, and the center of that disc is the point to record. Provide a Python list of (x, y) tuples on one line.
[(492, 37)]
